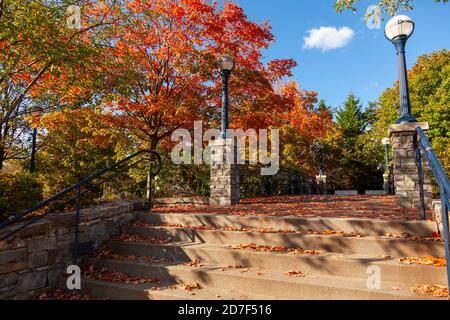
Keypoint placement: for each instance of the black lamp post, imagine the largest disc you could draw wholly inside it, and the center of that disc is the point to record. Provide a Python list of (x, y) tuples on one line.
[(226, 64), (318, 150), (386, 143), (37, 112), (398, 30), (321, 148)]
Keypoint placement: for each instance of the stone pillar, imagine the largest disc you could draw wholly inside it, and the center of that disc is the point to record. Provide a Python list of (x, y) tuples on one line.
[(322, 182), (225, 187), (405, 169)]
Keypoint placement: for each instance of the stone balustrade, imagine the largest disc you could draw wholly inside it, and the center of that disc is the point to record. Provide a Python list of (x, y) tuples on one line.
[(34, 259)]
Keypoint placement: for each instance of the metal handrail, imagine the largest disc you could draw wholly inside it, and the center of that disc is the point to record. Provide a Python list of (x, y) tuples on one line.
[(421, 143), (292, 175), (155, 165)]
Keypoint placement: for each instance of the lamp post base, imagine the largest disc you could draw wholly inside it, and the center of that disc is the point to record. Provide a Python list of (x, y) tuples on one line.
[(407, 118)]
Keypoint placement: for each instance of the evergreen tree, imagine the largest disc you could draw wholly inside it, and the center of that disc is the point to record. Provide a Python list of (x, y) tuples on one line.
[(322, 106), (352, 120), (356, 170)]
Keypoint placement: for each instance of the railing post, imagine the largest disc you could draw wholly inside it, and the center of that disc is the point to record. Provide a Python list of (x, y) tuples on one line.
[(150, 187), (418, 157), (150, 198), (77, 227), (444, 206)]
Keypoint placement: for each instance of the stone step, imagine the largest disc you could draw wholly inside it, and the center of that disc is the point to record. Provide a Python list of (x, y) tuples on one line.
[(328, 264), (268, 283), (368, 227), (397, 247), (121, 291)]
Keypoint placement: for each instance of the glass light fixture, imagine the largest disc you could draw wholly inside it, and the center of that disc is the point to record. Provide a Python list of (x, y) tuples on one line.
[(226, 62), (399, 26)]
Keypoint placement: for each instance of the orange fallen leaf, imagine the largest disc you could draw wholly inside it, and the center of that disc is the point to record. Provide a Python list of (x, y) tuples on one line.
[(295, 274)]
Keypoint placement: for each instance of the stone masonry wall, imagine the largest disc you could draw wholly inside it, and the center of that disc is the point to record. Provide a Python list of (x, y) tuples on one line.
[(224, 185), (405, 168), (34, 259), (225, 180)]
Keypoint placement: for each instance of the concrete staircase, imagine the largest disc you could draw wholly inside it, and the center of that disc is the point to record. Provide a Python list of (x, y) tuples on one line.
[(208, 257)]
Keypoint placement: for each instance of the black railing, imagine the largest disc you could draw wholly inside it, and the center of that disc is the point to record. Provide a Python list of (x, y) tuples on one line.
[(422, 145), (288, 182), (77, 191)]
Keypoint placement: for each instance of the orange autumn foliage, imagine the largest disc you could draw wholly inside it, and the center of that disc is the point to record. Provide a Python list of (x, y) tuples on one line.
[(161, 67)]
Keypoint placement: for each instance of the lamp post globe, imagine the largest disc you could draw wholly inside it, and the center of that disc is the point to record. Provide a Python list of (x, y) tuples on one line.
[(398, 30), (399, 26), (226, 66), (226, 62), (36, 112)]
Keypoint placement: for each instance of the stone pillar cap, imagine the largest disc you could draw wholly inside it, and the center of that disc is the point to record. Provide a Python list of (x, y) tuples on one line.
[(408, 127)]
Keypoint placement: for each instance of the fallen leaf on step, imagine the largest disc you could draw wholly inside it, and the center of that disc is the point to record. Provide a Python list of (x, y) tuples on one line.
[(295, 274), (193, 264), (431, 290), (191, 286)]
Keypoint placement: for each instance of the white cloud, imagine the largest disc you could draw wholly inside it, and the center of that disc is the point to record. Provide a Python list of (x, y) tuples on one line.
[(328, 38)]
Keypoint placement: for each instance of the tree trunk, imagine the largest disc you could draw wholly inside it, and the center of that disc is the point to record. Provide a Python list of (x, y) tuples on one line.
[(2, 158)]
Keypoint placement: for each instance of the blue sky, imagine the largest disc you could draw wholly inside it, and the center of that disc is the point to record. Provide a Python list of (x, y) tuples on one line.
[(366, 64)]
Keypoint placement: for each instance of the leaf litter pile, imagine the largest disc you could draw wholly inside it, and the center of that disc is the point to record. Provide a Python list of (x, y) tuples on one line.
[(104, 253), (59, 294), (276, 249), (252, 230), (140, 239), (431, 290), (362, 206), (428, 261), (242, 269), (189, 287), (90, 272), (435, 237)]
